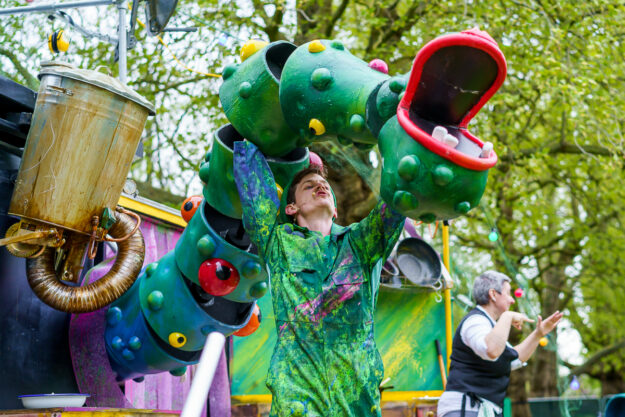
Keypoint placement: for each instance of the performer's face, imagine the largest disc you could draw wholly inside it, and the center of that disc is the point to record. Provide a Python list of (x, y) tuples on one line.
[(503, 300), (313, 194)]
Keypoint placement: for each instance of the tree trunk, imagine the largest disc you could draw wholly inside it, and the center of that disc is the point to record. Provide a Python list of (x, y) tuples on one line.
[(312, 19), (517, 390), (544, 362), (544, 372), (612, 383), (354, 198)]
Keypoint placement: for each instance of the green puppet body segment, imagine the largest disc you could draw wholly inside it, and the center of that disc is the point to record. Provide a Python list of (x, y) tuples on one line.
[(324, 291)]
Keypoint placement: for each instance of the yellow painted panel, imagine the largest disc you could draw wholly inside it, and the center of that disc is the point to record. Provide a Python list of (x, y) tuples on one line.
[(414, 397), (117, 412), (251, 399), (411, 396), (88, 412), (151, 210)]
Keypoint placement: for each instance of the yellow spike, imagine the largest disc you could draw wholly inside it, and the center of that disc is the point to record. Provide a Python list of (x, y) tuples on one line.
[(279, 190), (251, 47), (316, 46)]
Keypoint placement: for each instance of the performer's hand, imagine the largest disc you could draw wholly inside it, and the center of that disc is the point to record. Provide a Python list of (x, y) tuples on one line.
[(545, 326), (517, 319)]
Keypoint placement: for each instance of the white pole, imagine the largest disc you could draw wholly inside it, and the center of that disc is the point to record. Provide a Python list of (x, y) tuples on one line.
[(204, 375), (122, 38)]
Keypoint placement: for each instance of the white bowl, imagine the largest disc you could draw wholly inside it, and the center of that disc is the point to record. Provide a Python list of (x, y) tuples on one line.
[(53, 400)]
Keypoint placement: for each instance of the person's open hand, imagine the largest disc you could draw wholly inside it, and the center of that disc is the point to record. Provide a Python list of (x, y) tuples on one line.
[(517, 319), (545, 326)]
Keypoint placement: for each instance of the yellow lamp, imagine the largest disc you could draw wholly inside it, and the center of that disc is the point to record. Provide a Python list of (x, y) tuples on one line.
[(57, 42)]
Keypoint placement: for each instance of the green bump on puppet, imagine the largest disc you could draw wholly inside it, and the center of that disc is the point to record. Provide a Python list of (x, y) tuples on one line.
[(421, 184)]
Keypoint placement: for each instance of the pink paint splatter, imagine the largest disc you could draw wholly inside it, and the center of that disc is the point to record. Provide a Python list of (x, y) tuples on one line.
[(330, 300)]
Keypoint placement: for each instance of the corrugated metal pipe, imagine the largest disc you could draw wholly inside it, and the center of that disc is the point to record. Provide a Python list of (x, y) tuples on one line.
[(46, 284)]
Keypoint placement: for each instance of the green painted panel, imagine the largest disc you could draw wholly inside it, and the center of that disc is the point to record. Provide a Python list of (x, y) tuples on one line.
[(407, 323), (252, 353)]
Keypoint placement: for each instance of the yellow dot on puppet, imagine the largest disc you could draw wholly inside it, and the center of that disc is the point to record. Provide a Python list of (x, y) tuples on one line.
[(251, 47), (316, 46), (280, 191), (543, 341), (177, 340), (316, 127)]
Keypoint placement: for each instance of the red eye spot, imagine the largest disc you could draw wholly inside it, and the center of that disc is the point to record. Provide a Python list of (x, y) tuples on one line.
[(218, 277)]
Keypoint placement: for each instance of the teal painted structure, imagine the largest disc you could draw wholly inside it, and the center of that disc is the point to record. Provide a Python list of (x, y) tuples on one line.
[(615, 406)]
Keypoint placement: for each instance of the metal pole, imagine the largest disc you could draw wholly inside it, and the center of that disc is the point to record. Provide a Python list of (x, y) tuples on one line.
[(122, 37), (54, 7), (447, 293), (204, 374)]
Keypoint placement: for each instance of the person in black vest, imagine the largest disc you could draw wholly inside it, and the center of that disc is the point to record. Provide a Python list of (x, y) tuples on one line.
[(481, 357)]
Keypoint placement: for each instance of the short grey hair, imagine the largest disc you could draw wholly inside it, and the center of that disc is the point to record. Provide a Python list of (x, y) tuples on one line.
[(488, 280)]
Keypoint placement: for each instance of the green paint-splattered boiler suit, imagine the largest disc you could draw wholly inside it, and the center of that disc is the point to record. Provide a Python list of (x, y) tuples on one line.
[(324, 292)]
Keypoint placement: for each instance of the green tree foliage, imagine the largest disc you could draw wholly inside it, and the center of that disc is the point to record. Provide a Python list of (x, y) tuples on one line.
[(554, 196), (557, 124)]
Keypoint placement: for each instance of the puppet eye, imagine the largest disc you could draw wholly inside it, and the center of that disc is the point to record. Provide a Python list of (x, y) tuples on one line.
[(316, 127), (218, 277), (189, 206), (177, 339)]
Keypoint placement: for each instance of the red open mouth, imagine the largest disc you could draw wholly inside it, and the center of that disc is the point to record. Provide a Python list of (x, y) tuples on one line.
[(452, 77)]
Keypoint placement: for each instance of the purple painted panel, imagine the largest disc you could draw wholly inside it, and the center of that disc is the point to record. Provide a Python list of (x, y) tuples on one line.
[(219, 394), (91, 366), (159, 391)]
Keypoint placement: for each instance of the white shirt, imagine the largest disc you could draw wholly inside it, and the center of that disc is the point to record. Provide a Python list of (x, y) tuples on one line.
[(473, 334)]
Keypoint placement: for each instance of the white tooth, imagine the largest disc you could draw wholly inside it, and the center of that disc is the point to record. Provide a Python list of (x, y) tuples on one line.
[(450, 141), (486, 150), (439, 133)]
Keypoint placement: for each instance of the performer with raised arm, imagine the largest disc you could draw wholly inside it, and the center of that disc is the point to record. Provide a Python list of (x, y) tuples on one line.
[(324, 281)]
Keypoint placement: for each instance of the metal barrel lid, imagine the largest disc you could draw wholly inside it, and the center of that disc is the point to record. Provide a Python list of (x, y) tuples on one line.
[(97, 79)]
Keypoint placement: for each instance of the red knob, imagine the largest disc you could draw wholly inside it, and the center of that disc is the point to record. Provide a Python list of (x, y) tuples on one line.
[(218, 277), (314, 159), (251, 325), (189, 206)]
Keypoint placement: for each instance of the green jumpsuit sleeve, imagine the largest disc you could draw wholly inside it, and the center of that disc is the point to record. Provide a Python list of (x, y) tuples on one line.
[(257, 190), (374, 237)]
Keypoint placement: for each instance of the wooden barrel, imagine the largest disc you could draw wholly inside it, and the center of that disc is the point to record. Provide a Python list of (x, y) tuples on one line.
[(84, 133)]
